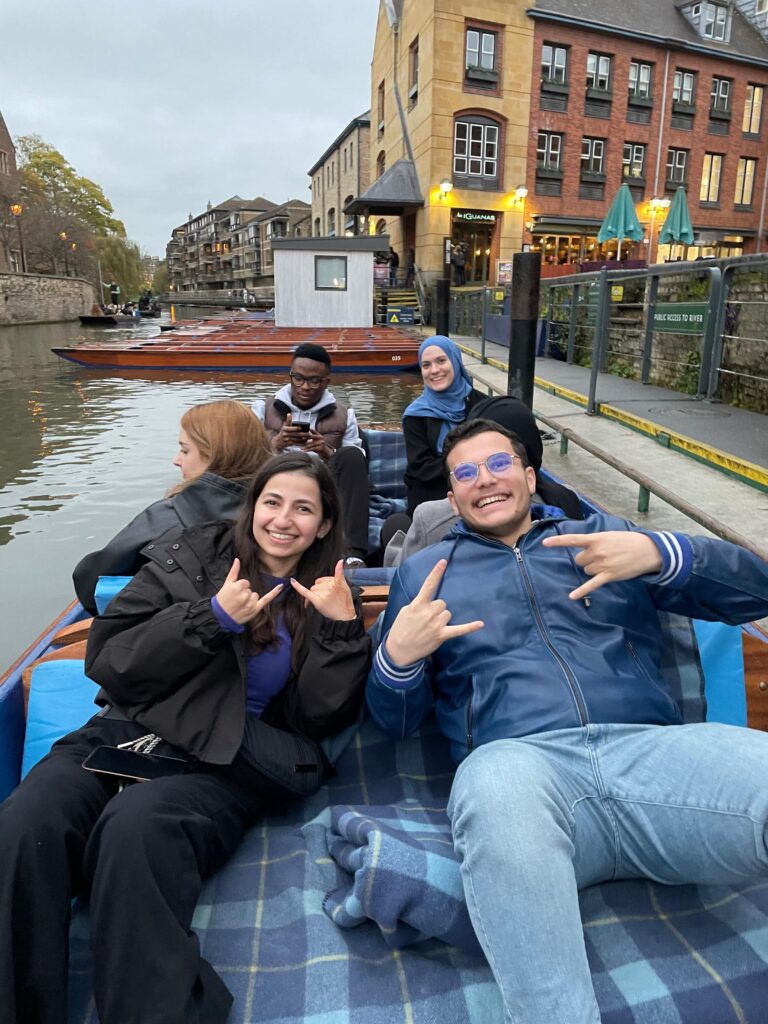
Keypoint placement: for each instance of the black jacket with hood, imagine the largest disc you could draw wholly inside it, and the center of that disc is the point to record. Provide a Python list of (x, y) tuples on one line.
[(163, 659), (207, 498)]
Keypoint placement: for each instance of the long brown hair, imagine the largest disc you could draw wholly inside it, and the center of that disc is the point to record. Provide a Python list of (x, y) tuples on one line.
[(230, 436), (319, 559)]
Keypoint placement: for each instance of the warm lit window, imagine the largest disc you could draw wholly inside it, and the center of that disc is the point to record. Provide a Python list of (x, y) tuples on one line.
[(633, 160), (598, 71), (480, 52), (709, 192), (592, 155), (753, 108), (549, 151), (476, 149), (677, 166), (720, 97), (682, 89), (745, 180), (413, 71), (330, 273), (639, 80), (554, 63)]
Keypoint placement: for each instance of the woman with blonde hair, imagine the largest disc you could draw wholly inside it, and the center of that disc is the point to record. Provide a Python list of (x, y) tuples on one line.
[(221, 447)]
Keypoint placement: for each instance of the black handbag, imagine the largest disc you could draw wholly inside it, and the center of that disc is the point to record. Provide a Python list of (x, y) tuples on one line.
[(287, 758)]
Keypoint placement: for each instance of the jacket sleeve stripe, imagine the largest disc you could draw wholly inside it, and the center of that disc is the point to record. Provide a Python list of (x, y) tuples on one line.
[(392, 675)]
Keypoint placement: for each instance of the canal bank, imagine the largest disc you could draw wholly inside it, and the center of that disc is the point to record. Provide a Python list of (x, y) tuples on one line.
[(43, 299)]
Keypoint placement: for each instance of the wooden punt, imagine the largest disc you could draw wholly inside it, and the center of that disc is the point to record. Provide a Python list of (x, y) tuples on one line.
[(242, 344)]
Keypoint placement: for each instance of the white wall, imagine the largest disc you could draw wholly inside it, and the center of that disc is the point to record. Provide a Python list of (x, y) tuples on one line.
[(297, 304)]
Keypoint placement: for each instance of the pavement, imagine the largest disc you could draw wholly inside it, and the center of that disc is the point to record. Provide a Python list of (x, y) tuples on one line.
[(728, 445)]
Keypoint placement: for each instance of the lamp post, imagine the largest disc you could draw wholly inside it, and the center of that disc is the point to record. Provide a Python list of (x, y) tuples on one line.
[(63, 238), (655, 204), (17, 209), (521, 194)]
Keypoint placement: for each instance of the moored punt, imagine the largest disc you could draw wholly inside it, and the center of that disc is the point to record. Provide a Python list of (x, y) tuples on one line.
[(245, 345), (110, 320)]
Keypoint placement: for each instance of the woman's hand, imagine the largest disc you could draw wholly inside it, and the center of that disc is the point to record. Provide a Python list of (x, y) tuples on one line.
[(238, 600), (330, 595)]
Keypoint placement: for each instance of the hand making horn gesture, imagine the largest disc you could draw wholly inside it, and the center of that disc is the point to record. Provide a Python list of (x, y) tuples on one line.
[(238, 600), (330, 595), (422, 625), (610, 555)]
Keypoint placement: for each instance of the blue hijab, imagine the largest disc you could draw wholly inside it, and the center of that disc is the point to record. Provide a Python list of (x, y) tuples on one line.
[(448, 405)]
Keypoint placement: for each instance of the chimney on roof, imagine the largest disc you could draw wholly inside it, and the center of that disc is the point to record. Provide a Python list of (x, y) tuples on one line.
[(209, 207)]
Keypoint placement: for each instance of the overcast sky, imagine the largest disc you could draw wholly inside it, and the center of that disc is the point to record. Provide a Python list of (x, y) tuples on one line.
[(170, 103)]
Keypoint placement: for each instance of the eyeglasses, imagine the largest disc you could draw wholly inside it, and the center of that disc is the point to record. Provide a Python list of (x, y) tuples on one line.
[(498, 464), (311, 382)]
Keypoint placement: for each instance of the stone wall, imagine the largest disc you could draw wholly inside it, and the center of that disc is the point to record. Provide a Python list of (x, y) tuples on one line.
[(40, 298)]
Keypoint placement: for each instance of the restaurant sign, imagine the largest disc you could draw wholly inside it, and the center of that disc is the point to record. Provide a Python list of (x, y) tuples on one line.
[(680, 317), (474, 216)]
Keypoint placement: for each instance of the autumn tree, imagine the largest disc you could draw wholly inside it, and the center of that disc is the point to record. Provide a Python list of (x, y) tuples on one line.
[(160, 280)]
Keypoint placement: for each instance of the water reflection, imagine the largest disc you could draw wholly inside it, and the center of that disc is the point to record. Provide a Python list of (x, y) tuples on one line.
[(83, 451)]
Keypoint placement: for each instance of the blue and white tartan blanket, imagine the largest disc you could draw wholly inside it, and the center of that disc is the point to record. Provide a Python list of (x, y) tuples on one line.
[(659, 955)]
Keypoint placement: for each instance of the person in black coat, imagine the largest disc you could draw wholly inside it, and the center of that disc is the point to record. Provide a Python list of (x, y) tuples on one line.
[(227, 643), (221, 445)]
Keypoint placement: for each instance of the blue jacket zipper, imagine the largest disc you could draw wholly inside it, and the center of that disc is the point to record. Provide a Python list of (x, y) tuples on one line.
[(570, 679)]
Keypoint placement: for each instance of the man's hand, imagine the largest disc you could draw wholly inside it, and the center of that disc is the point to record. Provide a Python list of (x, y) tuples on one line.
[(422, 626), (315, 442), (612, 555), (289, 436), (330, 595), (238, 600)]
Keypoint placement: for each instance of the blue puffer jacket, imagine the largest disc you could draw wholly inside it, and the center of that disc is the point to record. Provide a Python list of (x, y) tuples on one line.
[(544, 662)]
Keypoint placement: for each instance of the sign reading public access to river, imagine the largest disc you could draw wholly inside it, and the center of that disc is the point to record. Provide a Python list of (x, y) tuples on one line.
[(680, 317)]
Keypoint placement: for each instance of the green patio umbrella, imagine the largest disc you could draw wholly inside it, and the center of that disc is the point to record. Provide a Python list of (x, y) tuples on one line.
[(621, 220), (677, 227)]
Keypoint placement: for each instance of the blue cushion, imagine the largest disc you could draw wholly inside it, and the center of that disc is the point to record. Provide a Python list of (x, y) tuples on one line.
[(106, 588), (722, 658), (61, 699)]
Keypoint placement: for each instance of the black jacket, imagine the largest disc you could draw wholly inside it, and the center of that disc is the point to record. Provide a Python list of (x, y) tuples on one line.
[(209, 497), (162, 658)]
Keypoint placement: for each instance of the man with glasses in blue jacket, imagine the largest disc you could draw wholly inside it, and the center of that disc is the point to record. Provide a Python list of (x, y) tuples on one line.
[(535, 639), (304, 416)]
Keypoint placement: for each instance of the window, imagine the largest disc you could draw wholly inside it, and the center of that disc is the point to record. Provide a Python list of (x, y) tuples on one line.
[(381, 163), (332, 221), (413, 71), (317, 227), (677, 166), (715, 21), (351, 154), (345, 159), (682, 89), (633, 160), (639, 80), (761, 7), (476, 149), (592, 156), (554, 63), (330, 273), (720, 96), (381, 107), (4, 162), (711, 170), (549, 151), (480, 51), (753, 108), (745, 181), (598, 71)]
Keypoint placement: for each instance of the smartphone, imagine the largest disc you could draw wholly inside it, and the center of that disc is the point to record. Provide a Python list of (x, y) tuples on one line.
[(128, 764), (301, 426)]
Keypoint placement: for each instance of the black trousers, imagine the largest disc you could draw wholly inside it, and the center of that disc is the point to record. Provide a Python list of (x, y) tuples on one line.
[(350, 471), (141, 855)]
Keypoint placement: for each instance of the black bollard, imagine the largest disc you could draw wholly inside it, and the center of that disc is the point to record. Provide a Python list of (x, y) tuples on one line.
[(442, 305), (526, 274)]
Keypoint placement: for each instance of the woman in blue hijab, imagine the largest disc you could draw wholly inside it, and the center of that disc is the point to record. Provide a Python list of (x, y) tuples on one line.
[(446, 400)]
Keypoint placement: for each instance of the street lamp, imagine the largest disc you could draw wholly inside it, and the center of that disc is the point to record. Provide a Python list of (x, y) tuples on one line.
[(655, 204), (446, 186), (521, 193), (17, 209), (63, 238)]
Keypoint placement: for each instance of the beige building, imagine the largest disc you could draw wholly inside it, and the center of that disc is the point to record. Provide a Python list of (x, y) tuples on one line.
[(450, 90), (341, 175), (10, 233)]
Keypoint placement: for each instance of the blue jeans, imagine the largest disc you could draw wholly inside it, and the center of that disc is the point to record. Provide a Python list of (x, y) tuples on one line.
[(536, 819)]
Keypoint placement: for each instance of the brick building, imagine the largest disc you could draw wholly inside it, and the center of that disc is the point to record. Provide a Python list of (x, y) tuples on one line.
[(657, 93), (10, 246), (340, 175)]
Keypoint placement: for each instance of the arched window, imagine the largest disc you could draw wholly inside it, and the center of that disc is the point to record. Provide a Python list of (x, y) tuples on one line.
[(350, 220), (381, 227), (317, 227), (381, 162), (332, 221), (477, 151)]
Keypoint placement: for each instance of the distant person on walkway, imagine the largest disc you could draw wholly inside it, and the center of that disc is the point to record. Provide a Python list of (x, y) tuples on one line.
[(459, 259), (221, 446), (304, 416), (394, 262)]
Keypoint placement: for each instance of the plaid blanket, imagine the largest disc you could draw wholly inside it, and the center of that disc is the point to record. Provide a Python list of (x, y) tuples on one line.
[(659, 955)]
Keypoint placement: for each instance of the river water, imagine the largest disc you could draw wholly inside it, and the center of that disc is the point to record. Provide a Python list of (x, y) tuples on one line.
[(82, 451)]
